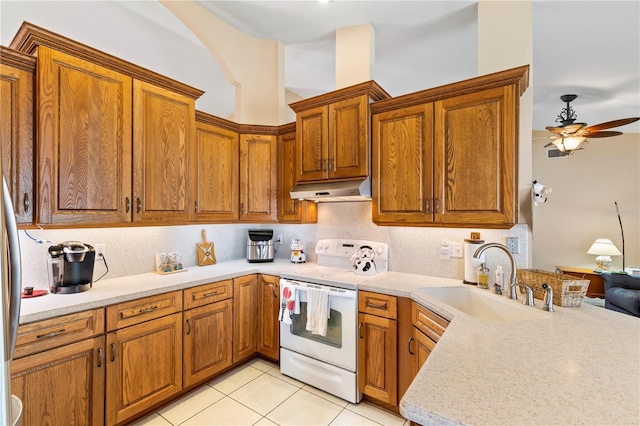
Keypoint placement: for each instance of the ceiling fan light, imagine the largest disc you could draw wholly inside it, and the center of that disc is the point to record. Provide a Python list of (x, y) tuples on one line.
[(570, 143)]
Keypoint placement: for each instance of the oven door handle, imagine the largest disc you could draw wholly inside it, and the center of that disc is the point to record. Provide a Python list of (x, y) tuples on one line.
[(333, 291)]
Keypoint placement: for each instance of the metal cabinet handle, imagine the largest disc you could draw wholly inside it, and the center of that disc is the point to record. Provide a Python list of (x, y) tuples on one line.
[(437, 203), (426, 206), (49, 335), (295, 206), (188, 327), (411, 339), (273, 290), (241, 208), (331, 165), (26, 202), (127, 202), (113, 352), (150, 309), (195, 207), (323, 167), (138, 205), (360, 331), (377, 306), (100, 357)]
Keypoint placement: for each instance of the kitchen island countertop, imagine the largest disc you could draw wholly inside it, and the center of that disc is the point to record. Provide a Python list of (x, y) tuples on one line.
[(575, 365)]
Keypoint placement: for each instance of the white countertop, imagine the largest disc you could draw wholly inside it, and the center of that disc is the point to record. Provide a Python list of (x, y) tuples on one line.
[(575, 365)]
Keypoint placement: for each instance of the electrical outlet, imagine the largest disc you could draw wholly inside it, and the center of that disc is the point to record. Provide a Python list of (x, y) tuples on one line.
[(513, 244), (279, 238), (456, 249), (100, 250)]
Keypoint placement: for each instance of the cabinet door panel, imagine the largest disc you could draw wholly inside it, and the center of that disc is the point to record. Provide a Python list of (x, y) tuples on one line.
[(377, 358), (245, 320), (349, 138), (475, 173), (289, 210), (163, 135), (215, 174), (258, 178), (312, 138), (144, 366), (16, 138), (269, 335), (63, 385), (84, 141), (403, 165), (207, 341)]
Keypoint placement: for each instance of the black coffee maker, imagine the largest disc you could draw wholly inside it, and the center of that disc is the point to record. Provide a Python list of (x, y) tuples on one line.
[(70, 267)]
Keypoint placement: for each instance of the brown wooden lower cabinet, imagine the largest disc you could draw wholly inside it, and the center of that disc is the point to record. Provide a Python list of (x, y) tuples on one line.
[(245, 320), (377, 349), (144, 366), (64, 385), (207, 341), (268, 308)]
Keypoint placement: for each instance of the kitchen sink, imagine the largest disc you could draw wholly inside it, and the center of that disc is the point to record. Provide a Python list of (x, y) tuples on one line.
[(484, 306)]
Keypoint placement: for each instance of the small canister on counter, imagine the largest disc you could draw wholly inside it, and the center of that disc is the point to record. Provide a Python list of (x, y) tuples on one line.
[(483, 276)]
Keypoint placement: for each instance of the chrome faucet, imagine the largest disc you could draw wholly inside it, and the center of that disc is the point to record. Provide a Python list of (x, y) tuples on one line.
[(513, 284)]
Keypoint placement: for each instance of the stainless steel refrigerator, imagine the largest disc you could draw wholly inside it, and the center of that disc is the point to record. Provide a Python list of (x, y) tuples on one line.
[(10, 405)]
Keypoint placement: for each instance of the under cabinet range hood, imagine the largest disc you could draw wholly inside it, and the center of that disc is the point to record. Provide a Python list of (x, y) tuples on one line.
[(333, 192)]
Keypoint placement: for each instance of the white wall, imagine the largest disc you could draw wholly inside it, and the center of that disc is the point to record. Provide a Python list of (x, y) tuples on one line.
[(581, 207)]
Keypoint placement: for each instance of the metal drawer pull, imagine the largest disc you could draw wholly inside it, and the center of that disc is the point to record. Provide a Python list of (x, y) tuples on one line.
[(52, 334), (188, 327), (213, 293), (377, 306), (100, 357), (411, 339), (151, 309)]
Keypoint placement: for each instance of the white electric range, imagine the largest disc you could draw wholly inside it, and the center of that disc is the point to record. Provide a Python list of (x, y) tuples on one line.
[(328, 362)]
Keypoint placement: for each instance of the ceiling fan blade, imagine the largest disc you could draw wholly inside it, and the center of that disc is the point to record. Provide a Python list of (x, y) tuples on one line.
[(610, 124), (549, 144), (605, 134)]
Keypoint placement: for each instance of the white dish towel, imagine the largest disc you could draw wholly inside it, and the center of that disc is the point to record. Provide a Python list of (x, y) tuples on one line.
[(317, 310)]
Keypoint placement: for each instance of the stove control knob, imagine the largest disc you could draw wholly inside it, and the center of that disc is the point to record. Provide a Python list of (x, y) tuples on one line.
[(325, 247), (318, 247), (379, 250)]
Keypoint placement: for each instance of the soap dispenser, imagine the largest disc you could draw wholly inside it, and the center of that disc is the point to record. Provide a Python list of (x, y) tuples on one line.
[(483, 276)]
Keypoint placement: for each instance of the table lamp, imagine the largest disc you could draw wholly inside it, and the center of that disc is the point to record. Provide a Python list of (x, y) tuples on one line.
[(604, 249)]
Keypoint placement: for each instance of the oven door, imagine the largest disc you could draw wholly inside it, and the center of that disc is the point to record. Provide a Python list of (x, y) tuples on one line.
[(338, 347)]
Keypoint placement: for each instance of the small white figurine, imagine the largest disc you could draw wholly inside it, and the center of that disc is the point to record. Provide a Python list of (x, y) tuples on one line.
[(297, 252)]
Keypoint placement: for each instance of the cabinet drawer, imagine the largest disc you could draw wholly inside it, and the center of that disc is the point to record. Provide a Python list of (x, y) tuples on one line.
[(54, 332), (428, 322), (381, 305), (208, 293), (140, 310)]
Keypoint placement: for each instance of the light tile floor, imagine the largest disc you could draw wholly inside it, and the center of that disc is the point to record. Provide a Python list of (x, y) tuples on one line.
[(257, 393)]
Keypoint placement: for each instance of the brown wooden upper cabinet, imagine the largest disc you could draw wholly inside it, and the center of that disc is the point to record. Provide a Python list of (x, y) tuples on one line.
[(332, 133), (290, 210), (258, 178), (448, 156), (17, 72), (113, 139), (214, 170), (84, 141)]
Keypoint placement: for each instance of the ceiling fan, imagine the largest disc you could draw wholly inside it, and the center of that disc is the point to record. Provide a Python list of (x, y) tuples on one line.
[(571, 136)]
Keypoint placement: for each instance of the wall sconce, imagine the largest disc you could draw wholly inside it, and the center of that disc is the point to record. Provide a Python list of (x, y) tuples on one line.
[(604, 249)]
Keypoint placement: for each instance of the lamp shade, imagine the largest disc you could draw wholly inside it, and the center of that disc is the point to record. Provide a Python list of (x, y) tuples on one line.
[(604, 246)]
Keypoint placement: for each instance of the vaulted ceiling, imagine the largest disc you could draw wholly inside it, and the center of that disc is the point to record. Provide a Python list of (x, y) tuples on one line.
[(589, 48)]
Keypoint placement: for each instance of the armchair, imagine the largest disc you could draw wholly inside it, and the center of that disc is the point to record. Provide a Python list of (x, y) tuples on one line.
[(622, 293)]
